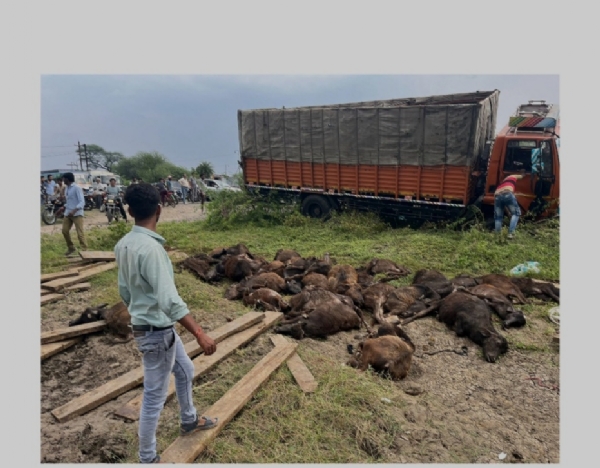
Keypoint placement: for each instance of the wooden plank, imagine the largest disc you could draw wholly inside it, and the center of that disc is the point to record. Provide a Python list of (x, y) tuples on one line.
[(58, 284), (79, 287), (94, 398), (203, 363), (51, 349), (77, 330), (97, 255), (297, 367), (75, 260), (45, 291), (89, 266), (186, 449), (48, 298), (59, 274)]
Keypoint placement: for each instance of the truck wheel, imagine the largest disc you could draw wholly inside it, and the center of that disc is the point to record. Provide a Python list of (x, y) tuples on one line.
[(315, 207)]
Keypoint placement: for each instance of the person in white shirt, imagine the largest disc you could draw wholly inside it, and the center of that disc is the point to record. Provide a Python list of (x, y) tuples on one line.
[(185, 186)]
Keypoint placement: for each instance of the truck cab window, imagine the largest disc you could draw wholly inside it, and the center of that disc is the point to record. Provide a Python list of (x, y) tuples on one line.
[(518, 155)]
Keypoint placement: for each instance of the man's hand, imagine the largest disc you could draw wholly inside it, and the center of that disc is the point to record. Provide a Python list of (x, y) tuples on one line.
[(206, 342), (60, 210)]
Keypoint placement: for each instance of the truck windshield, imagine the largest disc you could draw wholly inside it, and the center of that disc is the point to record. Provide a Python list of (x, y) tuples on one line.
[(518, 155)]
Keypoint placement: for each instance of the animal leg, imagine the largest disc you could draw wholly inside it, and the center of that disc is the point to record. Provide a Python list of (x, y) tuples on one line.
[(423, 313)]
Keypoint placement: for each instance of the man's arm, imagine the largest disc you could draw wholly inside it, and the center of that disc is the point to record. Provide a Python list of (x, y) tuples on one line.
[(156, 271), (80, 202)]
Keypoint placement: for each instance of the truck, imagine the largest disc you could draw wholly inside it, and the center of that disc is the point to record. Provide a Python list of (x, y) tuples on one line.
[(428, 158)]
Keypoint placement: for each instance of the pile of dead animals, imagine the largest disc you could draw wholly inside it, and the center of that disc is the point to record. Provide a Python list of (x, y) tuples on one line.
[(325, 298)]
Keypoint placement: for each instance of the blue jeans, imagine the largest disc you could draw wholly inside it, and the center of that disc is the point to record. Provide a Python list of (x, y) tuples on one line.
[(163, 353), (506, 200), (184, 191)]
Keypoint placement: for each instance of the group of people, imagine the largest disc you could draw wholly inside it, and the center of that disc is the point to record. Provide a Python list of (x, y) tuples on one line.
[(51, 190), (188, 186)]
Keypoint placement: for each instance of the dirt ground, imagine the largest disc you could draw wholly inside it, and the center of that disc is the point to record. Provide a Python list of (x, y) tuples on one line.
[(94, 218), (449, 402)]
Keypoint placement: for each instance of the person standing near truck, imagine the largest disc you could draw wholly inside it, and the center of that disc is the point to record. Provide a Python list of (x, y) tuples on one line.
[(504, 197), (146, 286)]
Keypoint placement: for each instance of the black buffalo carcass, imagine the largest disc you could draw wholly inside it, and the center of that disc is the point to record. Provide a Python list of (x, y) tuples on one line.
[(468, 315)]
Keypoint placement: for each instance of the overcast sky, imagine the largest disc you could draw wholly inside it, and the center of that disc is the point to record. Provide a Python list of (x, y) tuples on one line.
[(193, 118)]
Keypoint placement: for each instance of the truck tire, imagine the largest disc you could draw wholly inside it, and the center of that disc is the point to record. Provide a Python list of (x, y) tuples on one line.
[(316, 206)]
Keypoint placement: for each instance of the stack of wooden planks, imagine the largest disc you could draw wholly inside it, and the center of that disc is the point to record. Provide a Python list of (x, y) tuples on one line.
[(89, 263)]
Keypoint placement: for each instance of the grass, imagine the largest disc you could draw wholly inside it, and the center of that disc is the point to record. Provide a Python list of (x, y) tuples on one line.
[(344, 420)]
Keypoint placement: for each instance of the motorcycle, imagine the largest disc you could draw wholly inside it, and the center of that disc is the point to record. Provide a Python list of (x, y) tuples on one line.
[(90, 204), (111, 207), (49, 215), (171, 199)]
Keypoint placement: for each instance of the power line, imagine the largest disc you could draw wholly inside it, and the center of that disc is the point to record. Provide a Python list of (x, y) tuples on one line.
[(58, 146)]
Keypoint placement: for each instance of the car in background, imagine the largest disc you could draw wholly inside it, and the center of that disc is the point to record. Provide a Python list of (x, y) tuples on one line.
[(220, 184)]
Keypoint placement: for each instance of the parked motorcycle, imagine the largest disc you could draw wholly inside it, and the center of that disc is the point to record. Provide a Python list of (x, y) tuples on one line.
[(49, 215), (171, 198), (90, 204)]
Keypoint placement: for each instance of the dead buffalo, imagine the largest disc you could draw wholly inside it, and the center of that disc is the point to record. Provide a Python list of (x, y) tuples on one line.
[(426, 276), (272, 267), (286, 255), (390, 352), (266, 299), (408, 300), (468, 316), (238, 267), (500, 304), (464, 280), (315, 279), (326, 319), (313, 296), (343, 279), (117, 319), (505, 285), (387, 269), (542, 290), (263, 280)]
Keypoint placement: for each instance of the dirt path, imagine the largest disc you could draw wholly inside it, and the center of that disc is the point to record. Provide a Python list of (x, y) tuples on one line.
[(94, 218)]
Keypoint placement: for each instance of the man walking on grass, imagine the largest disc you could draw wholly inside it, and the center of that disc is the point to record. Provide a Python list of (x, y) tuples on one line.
[(147, 287), (73, 209)]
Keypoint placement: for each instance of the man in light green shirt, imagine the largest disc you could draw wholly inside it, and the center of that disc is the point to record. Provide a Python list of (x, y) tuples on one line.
[(147, 287)]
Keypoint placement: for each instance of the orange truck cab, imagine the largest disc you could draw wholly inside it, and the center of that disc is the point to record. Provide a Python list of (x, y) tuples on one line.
[(528, 145)]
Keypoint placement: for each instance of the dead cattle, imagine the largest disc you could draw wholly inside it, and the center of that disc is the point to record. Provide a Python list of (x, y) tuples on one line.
[(343, 279), (286, 255), (469, 316), (500, 304), (541, 290), (263, 280), (117, 319), (426, 276), (408, 300), (238, 267), (316, 279), (390, 352), (326, 319), (266, 299), (387, 269), (505, 285), (273, 267), (312, 297)]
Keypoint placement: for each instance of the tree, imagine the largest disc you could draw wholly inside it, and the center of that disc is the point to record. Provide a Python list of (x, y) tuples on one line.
[(148, 166), (205, 170), (98, 157)]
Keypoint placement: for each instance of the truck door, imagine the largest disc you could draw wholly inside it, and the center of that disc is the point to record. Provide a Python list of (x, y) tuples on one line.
[(518, 160)]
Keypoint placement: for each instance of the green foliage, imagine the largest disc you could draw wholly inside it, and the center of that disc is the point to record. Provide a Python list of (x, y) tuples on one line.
[(205, 170), (100, 158), (148, 166)]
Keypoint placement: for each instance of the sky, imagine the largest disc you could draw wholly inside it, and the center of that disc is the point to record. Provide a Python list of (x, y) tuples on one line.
[(193, 118), (70, 72)]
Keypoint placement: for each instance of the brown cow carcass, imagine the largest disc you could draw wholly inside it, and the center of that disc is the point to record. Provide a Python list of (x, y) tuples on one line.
[(389, 353), (542, 290), (265, 299)]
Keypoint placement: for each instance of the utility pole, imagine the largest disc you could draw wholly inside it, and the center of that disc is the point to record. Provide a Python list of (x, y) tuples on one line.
[(80, 158), (87, 164)]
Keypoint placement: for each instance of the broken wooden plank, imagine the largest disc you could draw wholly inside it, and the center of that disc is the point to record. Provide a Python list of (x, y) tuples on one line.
[(51, 349), (77, 330), (203, 363), (186, 449), (297, 367), (135, 377), (58, 284), (59, 274), (48, 298), (97, 255), (79, 287), (88, 266)]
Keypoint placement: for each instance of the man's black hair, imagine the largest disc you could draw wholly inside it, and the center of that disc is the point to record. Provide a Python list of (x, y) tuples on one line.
[(69, 176), (143, 199)]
